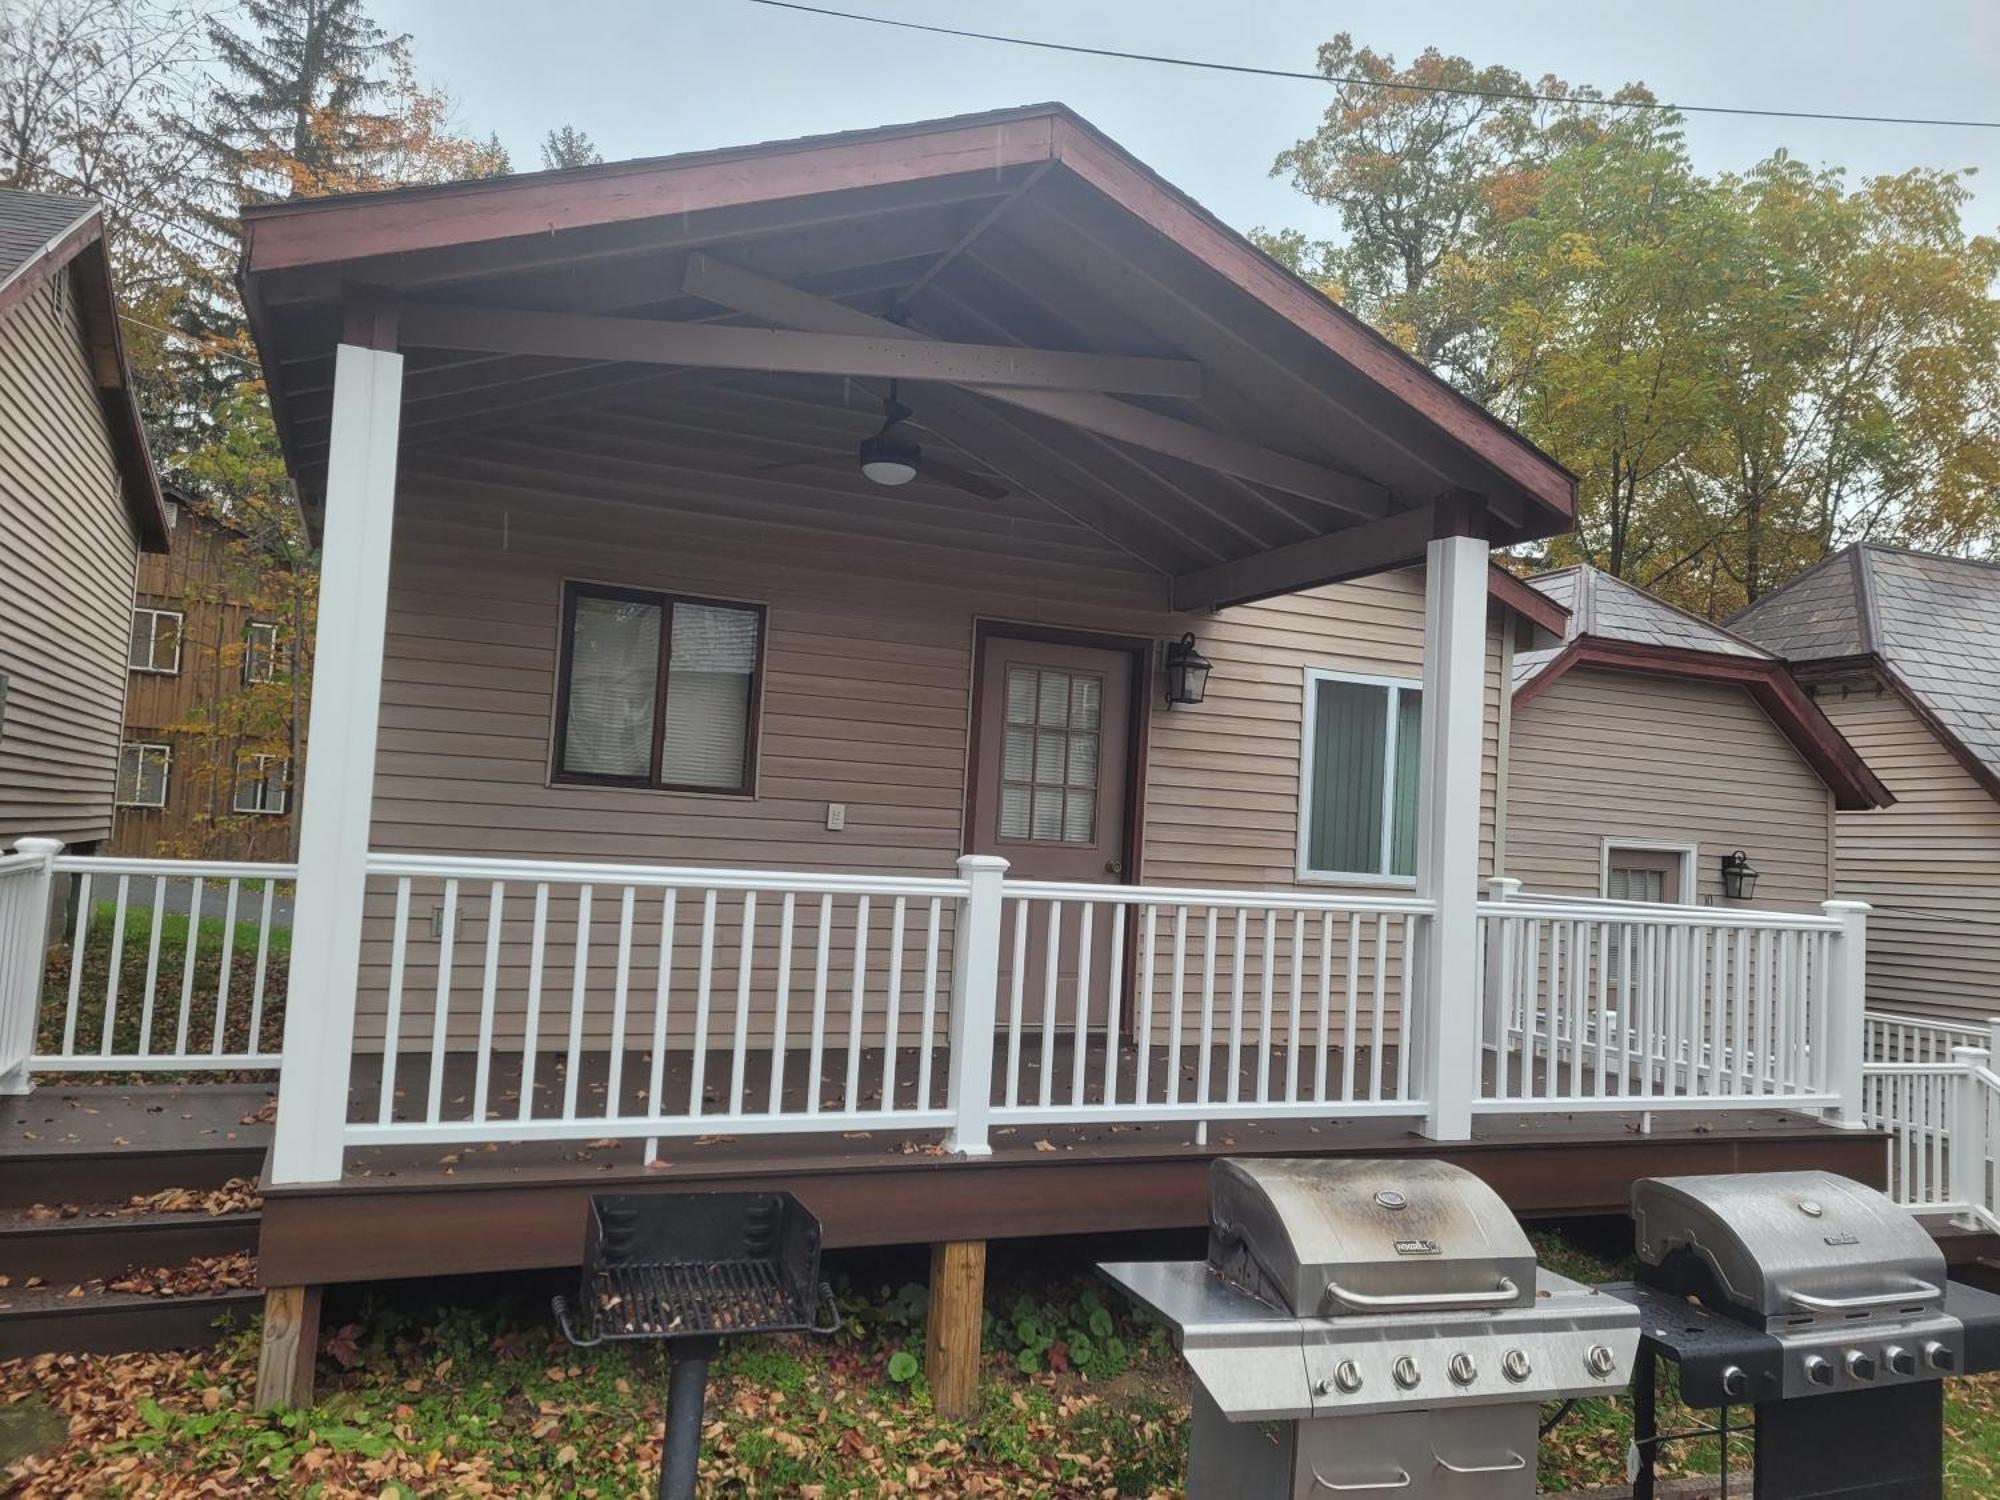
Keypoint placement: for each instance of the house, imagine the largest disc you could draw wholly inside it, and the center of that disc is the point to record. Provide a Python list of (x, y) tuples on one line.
[(1650, 746), (212, 701), (1901, 650), (79, 504), (917, 667)]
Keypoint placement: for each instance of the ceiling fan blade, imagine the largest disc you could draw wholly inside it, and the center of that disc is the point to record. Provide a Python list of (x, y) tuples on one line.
[(981, 485), (806, 463)]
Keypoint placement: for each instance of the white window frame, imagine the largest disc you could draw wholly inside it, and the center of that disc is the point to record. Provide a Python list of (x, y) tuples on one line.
[(166, 771), (250, 631), (261, 781), (153, 641), (1309, 693), (1690, 854)]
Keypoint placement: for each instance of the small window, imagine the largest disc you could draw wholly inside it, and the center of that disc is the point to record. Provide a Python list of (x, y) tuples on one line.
[(260, 653), (1642, 873), (1358, 778), (262, 783), (1048, 771), (658, 690), (142, 775), (156, 641)]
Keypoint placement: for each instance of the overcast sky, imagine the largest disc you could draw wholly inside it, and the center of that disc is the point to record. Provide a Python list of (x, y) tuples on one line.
[(649, 77)]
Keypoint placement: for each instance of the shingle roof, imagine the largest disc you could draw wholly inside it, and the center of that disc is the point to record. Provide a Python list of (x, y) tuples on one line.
[(1607, 608), (1933, 621), (31, 223)]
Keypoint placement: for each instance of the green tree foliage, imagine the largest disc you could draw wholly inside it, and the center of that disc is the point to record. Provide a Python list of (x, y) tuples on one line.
[(566, 146), (1744, 371)]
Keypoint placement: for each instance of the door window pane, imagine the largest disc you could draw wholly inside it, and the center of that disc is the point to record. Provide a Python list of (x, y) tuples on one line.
[(1049, 762)]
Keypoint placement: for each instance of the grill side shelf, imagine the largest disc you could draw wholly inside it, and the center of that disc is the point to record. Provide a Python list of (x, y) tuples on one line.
[(1705, 1344)]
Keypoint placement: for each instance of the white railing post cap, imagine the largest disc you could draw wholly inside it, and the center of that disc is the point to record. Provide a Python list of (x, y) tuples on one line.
[(1844, 908), (36, 845), (969, 863)]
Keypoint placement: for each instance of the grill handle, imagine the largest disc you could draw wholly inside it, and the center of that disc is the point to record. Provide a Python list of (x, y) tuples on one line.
[(1402, 1482), (1509, 1465), (1916, 1289), (1505, 1292)]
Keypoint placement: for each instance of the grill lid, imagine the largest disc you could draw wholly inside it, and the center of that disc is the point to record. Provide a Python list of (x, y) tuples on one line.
[(1785, 1245), (1329, 1238)]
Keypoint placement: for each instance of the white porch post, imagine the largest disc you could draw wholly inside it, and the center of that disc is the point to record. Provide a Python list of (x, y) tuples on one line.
[(975, 985), (24, 947), (340, 767), (1846, 1006), (1446, 1064), (1967, 1147)]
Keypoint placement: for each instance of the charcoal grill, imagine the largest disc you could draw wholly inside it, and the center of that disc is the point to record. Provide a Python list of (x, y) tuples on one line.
[(1373, 1328), (1822, 1305), (687, 1269)]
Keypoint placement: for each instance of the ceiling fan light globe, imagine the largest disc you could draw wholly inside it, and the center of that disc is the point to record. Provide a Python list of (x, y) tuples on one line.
[(887, 462)]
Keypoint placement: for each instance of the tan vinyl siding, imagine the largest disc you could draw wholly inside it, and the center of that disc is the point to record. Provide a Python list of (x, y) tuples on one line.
[(1610, 754), (1929, 864), (67, 555), (866, 701)]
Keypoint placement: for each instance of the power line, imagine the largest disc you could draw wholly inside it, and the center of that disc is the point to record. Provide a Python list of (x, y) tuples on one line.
[(195, 339), (1525, 96)]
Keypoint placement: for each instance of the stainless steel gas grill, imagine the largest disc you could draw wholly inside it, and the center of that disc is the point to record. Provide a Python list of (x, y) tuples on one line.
[(1367, 1327), (1822, 1304)]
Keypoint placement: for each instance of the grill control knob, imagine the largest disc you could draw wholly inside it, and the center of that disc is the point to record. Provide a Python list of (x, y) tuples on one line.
[(1462, 1370), (1514, 1365), (1735, 1384), (1600, 1360), (1939, 1356), (1900, 1360), (1818, 1371), (1859, 1365), (1347, 1376), (1405, 1373)]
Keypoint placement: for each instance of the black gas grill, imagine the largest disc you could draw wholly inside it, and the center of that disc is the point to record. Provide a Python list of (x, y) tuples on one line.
[(1819, 1303), (688, 1268)]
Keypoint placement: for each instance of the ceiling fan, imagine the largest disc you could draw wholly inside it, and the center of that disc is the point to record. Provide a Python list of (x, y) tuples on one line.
[(890, 456)]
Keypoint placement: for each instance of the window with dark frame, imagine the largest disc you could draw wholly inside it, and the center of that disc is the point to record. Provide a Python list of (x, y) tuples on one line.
[(658, 690)]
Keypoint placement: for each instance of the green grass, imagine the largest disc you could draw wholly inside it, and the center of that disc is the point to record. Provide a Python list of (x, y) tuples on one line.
[(134, 955)]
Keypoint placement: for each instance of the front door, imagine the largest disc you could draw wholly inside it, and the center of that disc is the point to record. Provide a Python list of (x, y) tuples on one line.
[(1053, 733)]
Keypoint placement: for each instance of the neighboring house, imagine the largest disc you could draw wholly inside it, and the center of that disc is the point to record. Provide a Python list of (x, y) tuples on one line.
[(206, 765), (1902, 651), (1651, 745), (79, 502)]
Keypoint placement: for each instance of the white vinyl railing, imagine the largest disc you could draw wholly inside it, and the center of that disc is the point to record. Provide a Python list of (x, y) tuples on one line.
[(24, 926), (1917, 1039), (1931, 1085), (1614, 1005)]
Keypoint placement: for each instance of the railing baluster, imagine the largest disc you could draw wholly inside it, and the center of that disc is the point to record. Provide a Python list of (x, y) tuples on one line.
[(1204, 1065), (1579, 1002), (256, 1044), (579, 994), (1766, 1080), (781, 1011), (392, 1021), (489, 987), (1602, 1011), (739, 1049), (1292, 1033), (1552, 1008), (1080, 1055), (224, 975), (1405, 983), (1172, 1089), (856, 999), (892, 1022), (1113, 1000), (1017, 1001), (1351, 1036), (1236, 1003), (153, 966), (1531, 996), (1148, 960), (76, 950), (1325, 1004), (1051, 975), (116, 968), (441, 1009), (822, 951), (621, 994), (924, 1059), (1269, 955), (531, 1023), (1375, 1064), (703, 986)]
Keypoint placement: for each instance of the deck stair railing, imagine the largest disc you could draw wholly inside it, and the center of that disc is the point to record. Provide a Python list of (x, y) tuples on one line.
[(1932, 1086)]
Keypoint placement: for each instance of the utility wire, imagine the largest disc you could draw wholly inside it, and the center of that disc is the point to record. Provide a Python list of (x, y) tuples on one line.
[(1526, 96), (194, 339)]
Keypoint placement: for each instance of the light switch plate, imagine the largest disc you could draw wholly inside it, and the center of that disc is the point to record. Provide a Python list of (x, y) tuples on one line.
[(836, 816)]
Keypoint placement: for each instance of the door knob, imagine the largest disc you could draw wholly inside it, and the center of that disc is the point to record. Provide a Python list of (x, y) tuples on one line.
[(1114, 867)]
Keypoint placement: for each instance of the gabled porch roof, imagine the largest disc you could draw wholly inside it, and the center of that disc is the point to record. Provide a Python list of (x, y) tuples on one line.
[(1055, 314)]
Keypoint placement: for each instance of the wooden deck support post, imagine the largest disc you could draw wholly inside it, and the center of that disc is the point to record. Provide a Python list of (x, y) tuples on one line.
[(1446, 1060), (307, 1143), (291, 1342), (957, 1313)]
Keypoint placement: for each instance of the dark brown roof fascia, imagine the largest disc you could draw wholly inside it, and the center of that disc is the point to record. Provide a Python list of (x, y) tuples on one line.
[(1801, 721)]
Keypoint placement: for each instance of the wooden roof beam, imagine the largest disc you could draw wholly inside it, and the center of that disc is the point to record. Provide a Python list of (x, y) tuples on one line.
[(775, 302), (1392, 542), (444, 325)]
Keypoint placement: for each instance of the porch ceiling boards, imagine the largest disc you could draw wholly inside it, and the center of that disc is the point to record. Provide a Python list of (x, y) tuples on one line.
[(1056, 316)]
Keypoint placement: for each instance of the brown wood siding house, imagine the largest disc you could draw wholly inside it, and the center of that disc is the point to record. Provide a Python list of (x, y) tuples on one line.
[(1652, 744), (223, 793), (1902, 651), (78, 504)]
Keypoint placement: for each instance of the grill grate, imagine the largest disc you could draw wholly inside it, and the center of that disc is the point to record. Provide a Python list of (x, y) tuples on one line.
[(673, 1299)]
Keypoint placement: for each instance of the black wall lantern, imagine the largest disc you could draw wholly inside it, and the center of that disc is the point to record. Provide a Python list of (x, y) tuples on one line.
[(1187, 671), (1739, 878)]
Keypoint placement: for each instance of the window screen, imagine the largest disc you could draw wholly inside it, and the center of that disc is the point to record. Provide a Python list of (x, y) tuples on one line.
[(1359, 802)]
